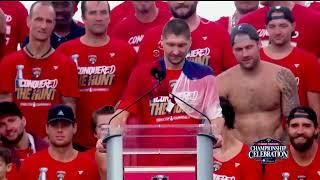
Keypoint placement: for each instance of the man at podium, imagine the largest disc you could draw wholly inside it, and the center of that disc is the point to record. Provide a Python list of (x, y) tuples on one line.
[(170, 77)]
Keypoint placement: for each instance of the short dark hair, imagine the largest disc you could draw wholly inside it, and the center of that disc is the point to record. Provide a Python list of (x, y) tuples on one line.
[(44, 3), (227, 112), (303, 112), (84, 8), (176, 27), (105, 110), (10, 109), (287, 14), (5, 154), (244, 28)]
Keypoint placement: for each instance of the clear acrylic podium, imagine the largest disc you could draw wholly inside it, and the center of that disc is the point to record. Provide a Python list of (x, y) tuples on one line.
[(167, 146)]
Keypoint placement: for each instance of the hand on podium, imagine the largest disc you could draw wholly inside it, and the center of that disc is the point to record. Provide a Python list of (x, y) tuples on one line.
[(101, 158), (118, 120), (217, 125)]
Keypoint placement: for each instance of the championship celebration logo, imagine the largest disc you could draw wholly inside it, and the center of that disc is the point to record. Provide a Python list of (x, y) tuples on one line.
[(268, 151)]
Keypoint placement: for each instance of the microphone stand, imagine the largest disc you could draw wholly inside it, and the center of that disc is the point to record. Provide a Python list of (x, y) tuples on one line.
[(134, 102)]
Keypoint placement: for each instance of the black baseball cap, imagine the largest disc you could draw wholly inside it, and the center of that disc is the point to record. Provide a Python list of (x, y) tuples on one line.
[(61, 112), (244, 28), (303, 112), (10, 109), (287, 14)]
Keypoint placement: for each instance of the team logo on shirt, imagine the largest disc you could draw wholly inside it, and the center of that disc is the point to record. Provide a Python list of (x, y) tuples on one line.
[(268, 151), (96, 76), (156, 53), (36, 72), (27, 89), (200, 56), (216, 165), (158, 106), (92, 59)]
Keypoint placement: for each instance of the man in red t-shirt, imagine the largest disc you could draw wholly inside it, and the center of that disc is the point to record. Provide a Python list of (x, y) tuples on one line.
[(242, 8), (125, 9), (210, 42), (16, 29), (99, 123), (304, 151), (104, 66), (60, 156), (37, 77), (146, 16), (190, 81), (14, 136), (231, 161), (304, 65), (307, 28)]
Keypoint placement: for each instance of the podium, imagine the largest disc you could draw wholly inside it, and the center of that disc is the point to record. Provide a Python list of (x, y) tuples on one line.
[(160, 152)]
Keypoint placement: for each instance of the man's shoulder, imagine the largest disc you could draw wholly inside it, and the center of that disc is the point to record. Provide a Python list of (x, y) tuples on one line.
[(39, 155), (71, 43), (14, 57), (197, 70), (256, 15), (154, 32), (272, 67), (229, 73)]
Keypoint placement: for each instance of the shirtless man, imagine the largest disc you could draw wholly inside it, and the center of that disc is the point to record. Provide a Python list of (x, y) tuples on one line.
[(260, 91)]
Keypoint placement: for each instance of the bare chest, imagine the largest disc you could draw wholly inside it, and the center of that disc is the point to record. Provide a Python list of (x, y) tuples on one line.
[(255, 95)]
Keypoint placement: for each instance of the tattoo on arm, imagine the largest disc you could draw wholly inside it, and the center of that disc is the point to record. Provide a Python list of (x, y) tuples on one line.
[(289, 91)]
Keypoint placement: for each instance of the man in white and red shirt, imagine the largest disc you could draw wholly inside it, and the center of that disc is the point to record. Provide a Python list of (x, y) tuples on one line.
[(16, 28), (304, 152), (37, 77), (146, 16), (182, 78), (210, 42), (242, 8), (304, 65), (104, 66), (307, 30)]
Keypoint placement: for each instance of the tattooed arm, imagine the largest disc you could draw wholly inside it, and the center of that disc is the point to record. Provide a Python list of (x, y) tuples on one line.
[(289, 90)]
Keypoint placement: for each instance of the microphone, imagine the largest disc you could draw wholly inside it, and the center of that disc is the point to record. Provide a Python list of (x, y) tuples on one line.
[(155, 72)]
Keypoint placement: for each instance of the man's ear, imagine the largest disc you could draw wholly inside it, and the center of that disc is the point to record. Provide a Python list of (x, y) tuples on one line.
[(28, 21), (9, 167), (24, 122), (75, 128)]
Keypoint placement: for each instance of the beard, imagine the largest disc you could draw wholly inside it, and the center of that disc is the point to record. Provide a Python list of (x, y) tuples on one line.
[(302, 147), (191, 11), (13, 142)]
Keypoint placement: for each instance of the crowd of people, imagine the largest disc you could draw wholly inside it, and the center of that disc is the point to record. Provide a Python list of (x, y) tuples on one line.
[(252, 75)]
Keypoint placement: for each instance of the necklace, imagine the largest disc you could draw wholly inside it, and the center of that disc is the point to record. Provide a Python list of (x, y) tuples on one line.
[(32, 55)]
